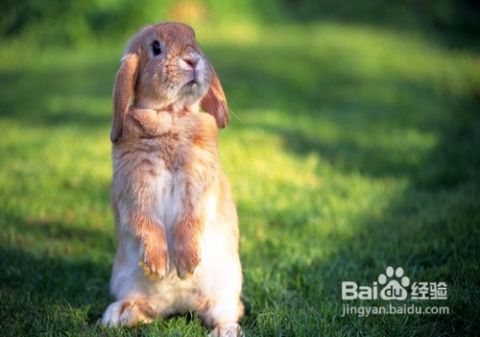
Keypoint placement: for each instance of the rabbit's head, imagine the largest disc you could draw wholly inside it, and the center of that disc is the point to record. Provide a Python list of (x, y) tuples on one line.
[(164, 68)]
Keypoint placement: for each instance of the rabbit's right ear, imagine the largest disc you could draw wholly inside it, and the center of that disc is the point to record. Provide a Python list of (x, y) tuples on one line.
[(123, 92)]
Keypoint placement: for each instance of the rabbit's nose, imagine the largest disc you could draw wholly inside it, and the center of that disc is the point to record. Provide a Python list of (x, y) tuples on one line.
[(191, 60)]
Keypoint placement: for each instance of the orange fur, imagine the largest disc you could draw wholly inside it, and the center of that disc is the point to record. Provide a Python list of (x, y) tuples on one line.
[(153, 238), (172, 203), (122, 93), (137, 311), (215, 102)]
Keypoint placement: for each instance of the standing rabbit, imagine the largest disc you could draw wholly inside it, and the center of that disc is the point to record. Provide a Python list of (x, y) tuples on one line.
[(175, 217)]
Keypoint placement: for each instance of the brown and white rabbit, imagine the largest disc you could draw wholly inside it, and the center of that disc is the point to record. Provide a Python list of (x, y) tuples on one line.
[(176, 220)]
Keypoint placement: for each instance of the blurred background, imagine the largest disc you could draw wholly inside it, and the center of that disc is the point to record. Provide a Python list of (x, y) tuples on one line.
[(67, 22), (353, 145)]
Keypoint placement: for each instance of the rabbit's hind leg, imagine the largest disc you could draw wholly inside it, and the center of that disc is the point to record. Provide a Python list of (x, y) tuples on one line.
[(223, 317), (128, 312), (227, 330)]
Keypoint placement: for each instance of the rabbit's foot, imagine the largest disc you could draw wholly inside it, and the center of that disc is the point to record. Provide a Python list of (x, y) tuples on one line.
[(154, 261), (186, 258), (128, 313), (227, 330)]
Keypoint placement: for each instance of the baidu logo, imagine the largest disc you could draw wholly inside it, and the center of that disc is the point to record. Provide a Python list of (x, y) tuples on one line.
[(393, 284)]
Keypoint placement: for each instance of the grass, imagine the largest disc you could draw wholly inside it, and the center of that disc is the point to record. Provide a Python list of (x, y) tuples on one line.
[(350, 149)]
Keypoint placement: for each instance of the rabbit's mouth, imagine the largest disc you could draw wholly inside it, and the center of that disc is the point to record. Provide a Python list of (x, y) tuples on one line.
[(192, 88), (194, 85), (192, 82)]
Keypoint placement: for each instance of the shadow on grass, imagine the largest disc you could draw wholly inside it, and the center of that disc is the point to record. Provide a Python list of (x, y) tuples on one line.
[(431, 229), (75, 96), (40, 292), (55, 229)]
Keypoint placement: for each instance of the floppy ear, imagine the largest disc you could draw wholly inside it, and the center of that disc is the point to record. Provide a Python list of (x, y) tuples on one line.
[(214, 102), (123, 92)]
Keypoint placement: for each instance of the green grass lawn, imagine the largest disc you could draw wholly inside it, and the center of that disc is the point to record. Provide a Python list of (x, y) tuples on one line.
[(350, 149)]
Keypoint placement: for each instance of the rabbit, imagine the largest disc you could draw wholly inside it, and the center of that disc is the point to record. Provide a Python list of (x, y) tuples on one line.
[(176, 221)]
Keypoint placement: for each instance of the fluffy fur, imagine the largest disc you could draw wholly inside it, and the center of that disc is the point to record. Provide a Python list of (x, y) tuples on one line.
[(175, 217)]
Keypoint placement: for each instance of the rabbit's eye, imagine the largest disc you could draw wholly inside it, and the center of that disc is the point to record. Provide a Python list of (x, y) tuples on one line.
[(156, 48)]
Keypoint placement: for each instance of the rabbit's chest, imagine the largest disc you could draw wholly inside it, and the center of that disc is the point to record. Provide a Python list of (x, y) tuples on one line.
[(170, 152), (165, 173), (155, 172)]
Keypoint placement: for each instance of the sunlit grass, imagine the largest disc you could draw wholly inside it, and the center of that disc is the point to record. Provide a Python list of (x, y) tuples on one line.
[(350, 148)]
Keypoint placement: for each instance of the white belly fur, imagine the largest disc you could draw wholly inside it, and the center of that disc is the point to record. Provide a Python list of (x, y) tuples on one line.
[(217, 275)]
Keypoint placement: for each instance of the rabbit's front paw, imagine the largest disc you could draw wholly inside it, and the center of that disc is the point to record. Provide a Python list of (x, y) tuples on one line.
[(186, 258), (154, 261)]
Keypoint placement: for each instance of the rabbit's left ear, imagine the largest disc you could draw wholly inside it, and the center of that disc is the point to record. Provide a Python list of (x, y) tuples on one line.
[(214, 102)]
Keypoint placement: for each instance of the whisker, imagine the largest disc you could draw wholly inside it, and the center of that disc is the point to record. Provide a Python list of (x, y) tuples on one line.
[(238, 117)]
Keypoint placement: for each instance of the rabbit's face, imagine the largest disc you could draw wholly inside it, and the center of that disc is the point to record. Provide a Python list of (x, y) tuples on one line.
[(164, 68), (173, 70)]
